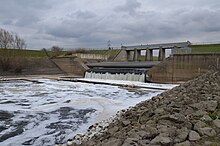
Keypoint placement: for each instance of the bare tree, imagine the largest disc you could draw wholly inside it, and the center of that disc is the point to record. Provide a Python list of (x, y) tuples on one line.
[(6, 39), (10, 40), (56, 51), (8, 58), (19, 43)]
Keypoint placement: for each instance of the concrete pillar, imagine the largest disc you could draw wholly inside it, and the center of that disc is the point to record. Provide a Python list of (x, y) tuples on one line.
[(161, 54), (138, 54), (128, 55), (146, 54), (135, 57), (149, 55)]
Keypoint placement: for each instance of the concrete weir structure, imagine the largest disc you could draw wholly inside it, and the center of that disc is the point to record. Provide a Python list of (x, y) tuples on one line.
[(127, 66), (132, 53), (131, 71)]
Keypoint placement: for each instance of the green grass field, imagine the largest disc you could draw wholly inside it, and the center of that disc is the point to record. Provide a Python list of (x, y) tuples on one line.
[(210, 48), (25, 53)]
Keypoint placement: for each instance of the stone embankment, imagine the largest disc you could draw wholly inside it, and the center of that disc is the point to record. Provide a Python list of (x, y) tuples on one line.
[(186, 115)]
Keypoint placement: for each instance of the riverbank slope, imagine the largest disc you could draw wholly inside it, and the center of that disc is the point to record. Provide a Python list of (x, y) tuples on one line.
[(186, 115)]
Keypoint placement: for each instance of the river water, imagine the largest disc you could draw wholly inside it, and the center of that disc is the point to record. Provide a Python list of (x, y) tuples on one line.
[(49, 112)]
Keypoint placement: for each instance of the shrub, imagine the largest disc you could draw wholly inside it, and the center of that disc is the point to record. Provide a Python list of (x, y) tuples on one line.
[(214, 115), (79, 50), (5, 59), (19, 64), (56, 51)]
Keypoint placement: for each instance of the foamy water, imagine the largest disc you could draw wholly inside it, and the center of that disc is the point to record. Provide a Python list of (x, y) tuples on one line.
[(54, 111)]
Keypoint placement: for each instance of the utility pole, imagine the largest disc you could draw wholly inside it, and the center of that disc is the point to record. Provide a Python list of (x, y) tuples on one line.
[(109, 44)]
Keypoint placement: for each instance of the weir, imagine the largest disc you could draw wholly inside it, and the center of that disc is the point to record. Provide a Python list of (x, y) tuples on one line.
[(114, 74), (130, 71)]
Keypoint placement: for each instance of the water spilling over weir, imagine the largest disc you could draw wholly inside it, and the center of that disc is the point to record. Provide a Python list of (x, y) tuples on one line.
[(114, 74), (130, 71)]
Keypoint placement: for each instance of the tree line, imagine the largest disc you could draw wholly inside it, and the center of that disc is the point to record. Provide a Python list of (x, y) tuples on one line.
[(10, 40)]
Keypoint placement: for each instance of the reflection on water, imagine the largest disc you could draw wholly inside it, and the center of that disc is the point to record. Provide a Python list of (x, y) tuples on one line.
[(53, 111)]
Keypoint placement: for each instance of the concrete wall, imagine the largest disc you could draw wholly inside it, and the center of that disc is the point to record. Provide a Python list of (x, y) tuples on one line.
[(183, 67), (45, 66), (92, 56), (71, 65), (185, 50), (121, 56)]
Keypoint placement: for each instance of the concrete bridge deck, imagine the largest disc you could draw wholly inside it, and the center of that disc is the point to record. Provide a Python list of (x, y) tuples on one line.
[(134, 52), (158, 46)]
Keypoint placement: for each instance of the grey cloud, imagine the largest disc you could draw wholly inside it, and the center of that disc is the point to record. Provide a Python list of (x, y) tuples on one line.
[(92, 24), (179, 24), (27, 20), (84, 15), (7, 22), (129, 7), (22, 12), (72, 29)]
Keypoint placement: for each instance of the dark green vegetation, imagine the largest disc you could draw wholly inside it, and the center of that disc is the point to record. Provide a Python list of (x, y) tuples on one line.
[(41, 53), (209, 48), (25, 53)]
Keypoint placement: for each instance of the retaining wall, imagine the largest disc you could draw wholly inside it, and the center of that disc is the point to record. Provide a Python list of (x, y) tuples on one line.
[(92, 56), (71, 65), (183, 67)]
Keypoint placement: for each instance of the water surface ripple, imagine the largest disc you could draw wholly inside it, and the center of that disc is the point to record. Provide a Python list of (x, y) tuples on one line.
[(53, 111)]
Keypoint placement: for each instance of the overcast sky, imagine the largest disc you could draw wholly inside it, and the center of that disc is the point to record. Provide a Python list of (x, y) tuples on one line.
[(91, 23)]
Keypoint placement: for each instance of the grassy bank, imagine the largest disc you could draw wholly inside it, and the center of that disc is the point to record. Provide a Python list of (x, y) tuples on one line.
[(209, 48), (25, 53), (41, 53)]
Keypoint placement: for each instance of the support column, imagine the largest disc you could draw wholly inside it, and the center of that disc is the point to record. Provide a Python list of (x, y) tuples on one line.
[(135, 57), (161, 54), (149, 55), (128, 55), (138, 54)]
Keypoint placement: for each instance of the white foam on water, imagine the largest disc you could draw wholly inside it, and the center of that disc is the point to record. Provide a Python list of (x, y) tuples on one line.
[(131, 83), (55, 111)]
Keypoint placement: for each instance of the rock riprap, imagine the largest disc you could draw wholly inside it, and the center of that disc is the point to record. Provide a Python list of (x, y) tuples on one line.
[(186, 115)]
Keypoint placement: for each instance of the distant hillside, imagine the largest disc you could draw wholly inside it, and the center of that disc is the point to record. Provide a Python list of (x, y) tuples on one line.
[(25, 53), (208, 48)]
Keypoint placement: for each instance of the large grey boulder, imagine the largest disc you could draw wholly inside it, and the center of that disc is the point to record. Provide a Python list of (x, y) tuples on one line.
[(207, 131), (194, 136), (130, 142), (126, 122), (209, 105), (115, 142), (206, 118), (181, 135), (151, 132), (160, 139), (216, 122), (203, 129), (113, 130), (185, 143)]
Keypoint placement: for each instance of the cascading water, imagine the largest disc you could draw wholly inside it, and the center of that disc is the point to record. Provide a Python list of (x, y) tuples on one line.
[(114, 74)]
